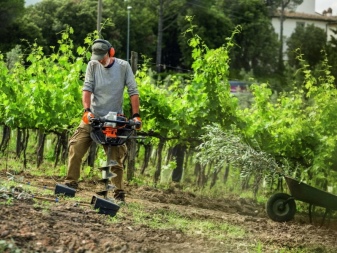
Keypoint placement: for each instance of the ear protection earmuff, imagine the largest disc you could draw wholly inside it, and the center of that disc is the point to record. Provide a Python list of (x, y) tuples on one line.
[(111, 49)]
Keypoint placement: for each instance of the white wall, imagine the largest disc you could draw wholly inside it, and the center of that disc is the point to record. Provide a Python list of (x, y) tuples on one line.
[(308, 6), (289, 26), (330, 33)]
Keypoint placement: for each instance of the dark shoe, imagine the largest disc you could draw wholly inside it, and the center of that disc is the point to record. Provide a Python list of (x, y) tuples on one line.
[(119, 196), (72, 184)]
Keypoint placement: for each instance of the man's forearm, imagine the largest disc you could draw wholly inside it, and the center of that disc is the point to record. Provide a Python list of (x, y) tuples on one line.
[(86, 99), (135, 104)]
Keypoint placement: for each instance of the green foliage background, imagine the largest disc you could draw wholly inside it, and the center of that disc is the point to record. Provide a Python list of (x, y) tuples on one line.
[(41, 79)]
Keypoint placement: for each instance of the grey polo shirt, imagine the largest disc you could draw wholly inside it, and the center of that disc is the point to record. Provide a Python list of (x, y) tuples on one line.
[(107, 86)]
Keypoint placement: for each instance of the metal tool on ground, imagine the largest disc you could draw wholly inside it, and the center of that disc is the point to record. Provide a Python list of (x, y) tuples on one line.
[(59, 188), (64, 190)]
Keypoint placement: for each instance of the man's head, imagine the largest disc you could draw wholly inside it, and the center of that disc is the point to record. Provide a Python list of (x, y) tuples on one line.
[(100, 48)]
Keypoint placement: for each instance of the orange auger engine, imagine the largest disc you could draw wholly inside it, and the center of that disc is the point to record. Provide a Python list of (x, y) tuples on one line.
[(113, 129), (110, 132), (110, 129)]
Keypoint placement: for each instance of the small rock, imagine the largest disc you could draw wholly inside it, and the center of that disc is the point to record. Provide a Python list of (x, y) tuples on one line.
[(4, 233)]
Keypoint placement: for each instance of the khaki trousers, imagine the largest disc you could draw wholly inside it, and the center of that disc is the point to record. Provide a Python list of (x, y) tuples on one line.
[(78, 146)]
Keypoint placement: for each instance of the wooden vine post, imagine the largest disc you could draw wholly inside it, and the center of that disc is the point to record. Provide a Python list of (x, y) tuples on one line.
[(131, 143)]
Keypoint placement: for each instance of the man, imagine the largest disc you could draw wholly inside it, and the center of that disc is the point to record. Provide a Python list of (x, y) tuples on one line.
[(102, 92)]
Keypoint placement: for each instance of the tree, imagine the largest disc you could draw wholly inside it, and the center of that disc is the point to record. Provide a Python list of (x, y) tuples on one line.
[(310, 41), (210, 23), (332, 55), (142, 27), (282, 5), (257, 42), (54, 16), (10, 10), (78, 15), (156, 28), (167, 13)]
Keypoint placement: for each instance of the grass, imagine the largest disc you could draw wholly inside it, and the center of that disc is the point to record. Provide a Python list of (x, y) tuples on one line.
[(211, 229), (260, 248), (7, 202), (44, 206), (8, 246), (168, 219)]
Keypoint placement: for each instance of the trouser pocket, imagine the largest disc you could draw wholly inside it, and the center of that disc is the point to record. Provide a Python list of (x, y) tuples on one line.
[(118, 154)]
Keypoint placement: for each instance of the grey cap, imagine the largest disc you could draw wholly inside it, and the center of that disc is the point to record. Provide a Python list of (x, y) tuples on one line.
[(99, 49)]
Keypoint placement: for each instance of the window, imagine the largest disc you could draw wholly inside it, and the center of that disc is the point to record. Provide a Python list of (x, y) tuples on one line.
[(300, 24)]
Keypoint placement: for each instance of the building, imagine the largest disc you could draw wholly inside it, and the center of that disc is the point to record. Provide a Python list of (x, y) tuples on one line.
[(304, 14)]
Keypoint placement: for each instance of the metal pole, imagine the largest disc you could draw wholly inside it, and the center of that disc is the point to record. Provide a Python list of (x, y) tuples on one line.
[(99, 17), (128, 35)]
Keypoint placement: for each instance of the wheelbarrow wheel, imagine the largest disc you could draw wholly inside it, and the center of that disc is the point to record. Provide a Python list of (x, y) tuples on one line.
[(281, 207)]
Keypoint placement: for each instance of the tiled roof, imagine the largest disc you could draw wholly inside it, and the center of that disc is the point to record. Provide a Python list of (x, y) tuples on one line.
[(298, 15)]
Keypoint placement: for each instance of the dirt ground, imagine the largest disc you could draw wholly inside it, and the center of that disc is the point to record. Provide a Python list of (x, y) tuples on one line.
[(69, 227)]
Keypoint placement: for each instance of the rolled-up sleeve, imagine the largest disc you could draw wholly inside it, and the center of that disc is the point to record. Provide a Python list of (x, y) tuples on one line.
[(130, 82), (89, 81)]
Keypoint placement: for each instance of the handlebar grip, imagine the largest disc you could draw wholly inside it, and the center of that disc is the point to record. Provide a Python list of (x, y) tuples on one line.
[(104, 120), (95, 120)]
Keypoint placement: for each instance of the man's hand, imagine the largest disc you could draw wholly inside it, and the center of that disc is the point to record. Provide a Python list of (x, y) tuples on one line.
[(88, 116), (138, 122)]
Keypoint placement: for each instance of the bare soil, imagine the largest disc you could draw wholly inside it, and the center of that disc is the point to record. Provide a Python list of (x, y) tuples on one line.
[(66, 226)]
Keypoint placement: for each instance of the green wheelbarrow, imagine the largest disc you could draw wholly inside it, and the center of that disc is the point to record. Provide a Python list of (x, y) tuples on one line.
[(281, 206)]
